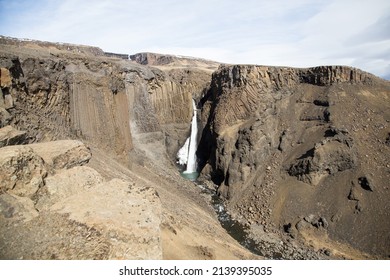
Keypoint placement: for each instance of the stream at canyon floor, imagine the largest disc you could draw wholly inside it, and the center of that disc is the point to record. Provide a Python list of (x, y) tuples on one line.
[(235, 229), (272, 244), (267, 245)]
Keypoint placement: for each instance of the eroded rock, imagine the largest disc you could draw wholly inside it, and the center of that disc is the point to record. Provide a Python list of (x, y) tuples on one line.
[(11, 136), (66, 183), (17, 208), (21, 171), (63, 153), (5, 78), (5, 117), (328, 157)]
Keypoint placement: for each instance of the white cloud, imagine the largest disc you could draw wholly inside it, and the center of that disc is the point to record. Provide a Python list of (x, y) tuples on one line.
[(280, 32)]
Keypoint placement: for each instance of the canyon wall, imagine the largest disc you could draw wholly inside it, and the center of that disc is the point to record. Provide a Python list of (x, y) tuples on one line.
[(285, 143), (105, 209), (54, 92), (301, 152)]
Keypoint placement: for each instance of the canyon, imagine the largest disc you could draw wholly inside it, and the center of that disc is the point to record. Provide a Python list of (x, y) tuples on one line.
[(88, 145)]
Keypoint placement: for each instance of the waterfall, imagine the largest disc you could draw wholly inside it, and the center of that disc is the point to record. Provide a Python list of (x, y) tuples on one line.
[(191, 162), (187, 153), (182, 154)]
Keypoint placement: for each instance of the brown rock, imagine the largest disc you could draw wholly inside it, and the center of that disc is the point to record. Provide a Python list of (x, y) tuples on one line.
[(8, 101), (66, 183), (5, 78), (11, 136), (16, 208), (63, 153), (5, 117), (21, 171), (300, 119), (324, 159)]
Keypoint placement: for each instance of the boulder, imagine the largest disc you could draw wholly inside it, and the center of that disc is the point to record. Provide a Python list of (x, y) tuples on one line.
[(66, 183), (8, 101), (63, 153), (16, 208), (11, 136), (21, 171), (5, 117), (5, 78), (23, 168)]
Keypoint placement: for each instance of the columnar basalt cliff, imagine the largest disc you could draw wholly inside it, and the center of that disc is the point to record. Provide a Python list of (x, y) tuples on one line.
[(126, 112), (283, 144), (300, 156), (58, 93)]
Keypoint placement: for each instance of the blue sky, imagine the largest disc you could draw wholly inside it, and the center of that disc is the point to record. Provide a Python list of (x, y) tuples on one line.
[(299, 33)]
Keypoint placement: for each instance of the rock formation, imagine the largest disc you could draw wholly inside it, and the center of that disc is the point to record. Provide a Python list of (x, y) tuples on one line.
[(88, 140), (11, 136), (283, 143), (58, 202), (74, 196), (51, 92)]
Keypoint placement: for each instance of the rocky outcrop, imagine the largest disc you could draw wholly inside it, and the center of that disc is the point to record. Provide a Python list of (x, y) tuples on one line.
[(11, 136), (237, 111), (24, 167), (44, 186), (117, 55), (21, 171), (241, 111), (327, 75), (63, 153), (152, 58), (281, 143), (65, 183), (334, 154)]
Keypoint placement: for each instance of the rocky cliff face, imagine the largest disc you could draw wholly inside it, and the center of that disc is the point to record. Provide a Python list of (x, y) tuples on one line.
[(54, 93), (52, 98), (300, 155), (82, 207), (284, 143)]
